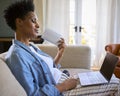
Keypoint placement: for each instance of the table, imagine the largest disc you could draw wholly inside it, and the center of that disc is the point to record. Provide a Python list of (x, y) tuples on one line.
[(111, 89)]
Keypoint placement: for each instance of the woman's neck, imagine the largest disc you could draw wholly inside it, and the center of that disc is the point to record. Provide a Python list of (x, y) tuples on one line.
[(22, 39)]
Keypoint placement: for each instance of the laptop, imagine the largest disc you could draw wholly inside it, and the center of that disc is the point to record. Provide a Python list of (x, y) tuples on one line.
[(102, 76)]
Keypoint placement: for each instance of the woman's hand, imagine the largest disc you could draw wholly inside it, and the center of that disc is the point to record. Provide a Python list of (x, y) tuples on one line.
[(68, 84), (61, 48)]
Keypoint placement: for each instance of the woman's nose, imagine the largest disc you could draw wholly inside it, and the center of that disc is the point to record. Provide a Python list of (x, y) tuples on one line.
[(37, 25)]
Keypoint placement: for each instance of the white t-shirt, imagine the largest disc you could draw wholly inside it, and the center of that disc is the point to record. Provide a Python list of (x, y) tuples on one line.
[(49, 61)]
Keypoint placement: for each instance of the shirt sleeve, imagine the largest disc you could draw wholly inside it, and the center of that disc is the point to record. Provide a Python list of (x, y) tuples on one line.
[(57, 65)]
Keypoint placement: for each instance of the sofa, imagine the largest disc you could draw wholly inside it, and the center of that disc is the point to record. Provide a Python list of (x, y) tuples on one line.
[(75, 59)]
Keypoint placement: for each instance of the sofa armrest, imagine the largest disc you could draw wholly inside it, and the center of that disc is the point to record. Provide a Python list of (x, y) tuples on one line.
[(113, 48), (9, 86)]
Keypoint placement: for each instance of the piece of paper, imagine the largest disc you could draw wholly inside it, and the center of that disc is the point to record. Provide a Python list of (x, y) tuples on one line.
[(51, 36)]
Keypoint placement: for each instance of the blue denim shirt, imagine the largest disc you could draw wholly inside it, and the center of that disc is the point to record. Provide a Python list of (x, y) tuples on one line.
[(31, 71)]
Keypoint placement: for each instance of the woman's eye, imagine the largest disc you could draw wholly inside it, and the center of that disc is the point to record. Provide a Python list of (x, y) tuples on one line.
[(33, 20)]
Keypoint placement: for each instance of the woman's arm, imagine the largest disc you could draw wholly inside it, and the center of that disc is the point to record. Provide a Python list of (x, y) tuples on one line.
[(61, 48), (68, 84)]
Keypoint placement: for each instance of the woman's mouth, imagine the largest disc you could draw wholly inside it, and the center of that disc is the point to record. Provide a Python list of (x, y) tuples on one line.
[(36, 31)]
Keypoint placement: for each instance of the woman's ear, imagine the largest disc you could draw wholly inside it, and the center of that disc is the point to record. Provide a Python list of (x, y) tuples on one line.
[(19, 22)]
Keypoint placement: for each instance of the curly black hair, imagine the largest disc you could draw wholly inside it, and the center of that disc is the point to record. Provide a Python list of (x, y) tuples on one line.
[(19, 9)]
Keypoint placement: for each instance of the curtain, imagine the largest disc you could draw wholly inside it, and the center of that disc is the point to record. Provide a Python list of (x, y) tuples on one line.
[(107, 27), (39, 6), (57, 17), (117, 26)]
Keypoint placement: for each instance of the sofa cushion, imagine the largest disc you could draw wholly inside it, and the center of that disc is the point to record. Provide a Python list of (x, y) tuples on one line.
[(74, 56), (9, 86)]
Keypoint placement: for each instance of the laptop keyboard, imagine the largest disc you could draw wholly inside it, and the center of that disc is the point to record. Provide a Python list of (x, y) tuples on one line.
[(97, 78)]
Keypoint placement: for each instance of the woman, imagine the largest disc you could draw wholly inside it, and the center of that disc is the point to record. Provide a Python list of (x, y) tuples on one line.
[(29, 64)]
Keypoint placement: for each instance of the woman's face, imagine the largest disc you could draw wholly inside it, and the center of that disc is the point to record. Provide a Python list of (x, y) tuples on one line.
[(29, 26)]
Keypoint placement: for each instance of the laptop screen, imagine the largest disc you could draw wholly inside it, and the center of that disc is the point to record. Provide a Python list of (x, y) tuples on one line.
[(108, 65)]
